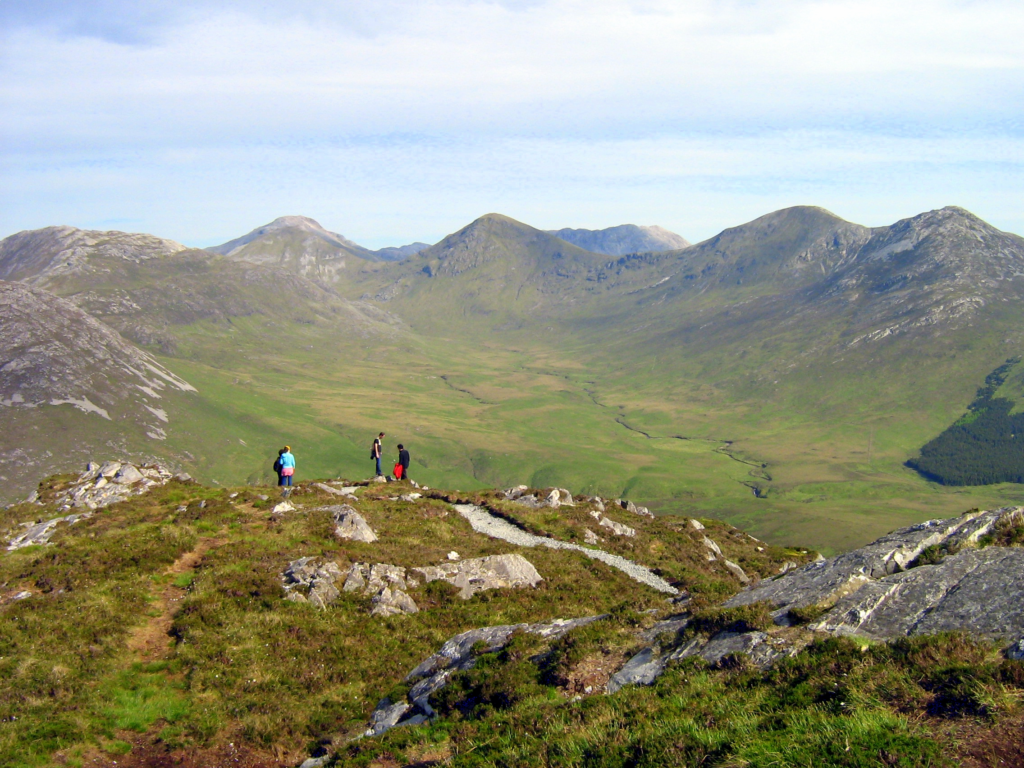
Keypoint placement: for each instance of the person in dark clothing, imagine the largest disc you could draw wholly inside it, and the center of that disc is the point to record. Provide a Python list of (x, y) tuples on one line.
[(278, 467), (403, 459), (375, 452)]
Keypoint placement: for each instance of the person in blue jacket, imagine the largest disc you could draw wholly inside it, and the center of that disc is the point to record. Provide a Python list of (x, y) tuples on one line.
[(287, 466)]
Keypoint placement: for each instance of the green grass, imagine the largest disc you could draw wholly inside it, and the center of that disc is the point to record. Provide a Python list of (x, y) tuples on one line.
[(246, 667)]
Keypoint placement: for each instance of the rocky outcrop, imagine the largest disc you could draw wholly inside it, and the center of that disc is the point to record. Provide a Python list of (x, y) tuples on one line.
[(878, 591), (34, 256), (980, 591), (98, 487), (477, 574), (308, 581), (386, 584), (555, 498), (824, 582), (484, 522), (458, 654)]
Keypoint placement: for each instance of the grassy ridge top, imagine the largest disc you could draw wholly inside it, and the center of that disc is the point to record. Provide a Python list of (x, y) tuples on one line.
[(158, 630)]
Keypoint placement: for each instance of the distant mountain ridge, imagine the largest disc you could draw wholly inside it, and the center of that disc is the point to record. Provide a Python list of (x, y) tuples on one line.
[(623, 239), (34, 256)]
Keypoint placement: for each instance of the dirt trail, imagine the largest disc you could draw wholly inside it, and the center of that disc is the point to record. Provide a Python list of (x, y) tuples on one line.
[(149, 640)]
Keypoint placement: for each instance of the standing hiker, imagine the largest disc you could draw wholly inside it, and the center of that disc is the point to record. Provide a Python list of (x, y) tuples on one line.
[(278, 467), (376, 450), (403, 461), (287, 467)]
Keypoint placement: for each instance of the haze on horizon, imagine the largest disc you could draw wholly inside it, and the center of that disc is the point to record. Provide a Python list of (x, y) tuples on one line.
[(393, 121)]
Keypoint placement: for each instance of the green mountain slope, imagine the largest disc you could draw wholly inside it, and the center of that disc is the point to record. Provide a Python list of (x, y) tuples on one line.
[(778, 375)]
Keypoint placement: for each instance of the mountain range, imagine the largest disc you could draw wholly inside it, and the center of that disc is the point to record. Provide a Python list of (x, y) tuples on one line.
[(777, 375)]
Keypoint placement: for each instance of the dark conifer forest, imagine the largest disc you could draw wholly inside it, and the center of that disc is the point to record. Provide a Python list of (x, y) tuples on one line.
[(984, 446)]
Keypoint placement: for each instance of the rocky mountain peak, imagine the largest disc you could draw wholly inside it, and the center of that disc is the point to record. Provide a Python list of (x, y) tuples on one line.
[(623, 239), (34, 256), (293, 228)]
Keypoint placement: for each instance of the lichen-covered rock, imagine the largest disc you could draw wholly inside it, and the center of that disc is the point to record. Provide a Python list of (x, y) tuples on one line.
[(307, 580), (643, 669), (350, 525), (826, 581), (617, 528), (457, 654), (392, 602), (477, 574), (980, 591), (736, 571)]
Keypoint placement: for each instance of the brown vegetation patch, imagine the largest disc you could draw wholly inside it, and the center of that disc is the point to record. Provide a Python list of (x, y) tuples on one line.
[(982, 746), (150, 640), (150, 752), (592, 674)]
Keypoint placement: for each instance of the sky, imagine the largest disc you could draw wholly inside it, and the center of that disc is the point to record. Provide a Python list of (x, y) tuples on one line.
[(392, 121)]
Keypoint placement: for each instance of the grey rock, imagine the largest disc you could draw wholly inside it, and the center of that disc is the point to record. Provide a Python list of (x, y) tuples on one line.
[(477, 574), (281, 507), (642, 669), (713, 546), (315, 762), (515, 492), (350, 525), (590, 537), (392, 602), (617, 528), (827, 581), (736, 571), (456, 654), (185, 477), (110, 468), (1016, 651), (333, 491), (127, 475), (386, 716), (696, 524), (977, 591), (484, 522), (306, 580)]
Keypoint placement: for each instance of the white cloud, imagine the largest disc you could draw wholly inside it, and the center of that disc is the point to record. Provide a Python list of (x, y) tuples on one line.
[(518, 101)]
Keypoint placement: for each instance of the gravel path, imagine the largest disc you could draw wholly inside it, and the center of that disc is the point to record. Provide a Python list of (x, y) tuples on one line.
[(484, 522)]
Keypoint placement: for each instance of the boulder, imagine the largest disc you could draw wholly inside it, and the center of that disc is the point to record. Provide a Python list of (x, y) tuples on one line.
[(392, 602), (697, 525), (350, 525), (306, 580), (128, 475), (589, 537), (515, 492), (713, 546), (736, 571), (617, 528), (642, 669), (282, 507), (110, 468)]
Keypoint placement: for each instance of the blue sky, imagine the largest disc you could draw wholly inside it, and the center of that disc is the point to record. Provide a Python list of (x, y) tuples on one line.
[(392, 121)]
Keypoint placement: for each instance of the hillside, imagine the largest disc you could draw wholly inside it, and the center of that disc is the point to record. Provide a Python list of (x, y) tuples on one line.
[(623, 239), (300, 245), (70, 385), (36, 256), (226, 626), (778, 375)]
